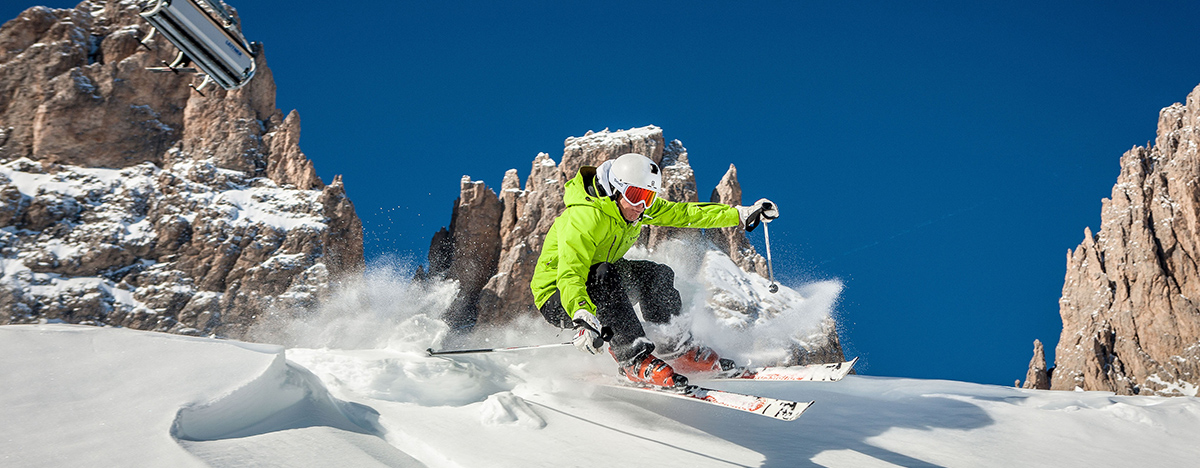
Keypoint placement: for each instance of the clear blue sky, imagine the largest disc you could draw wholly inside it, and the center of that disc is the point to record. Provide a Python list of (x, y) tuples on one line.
[(940, 158)]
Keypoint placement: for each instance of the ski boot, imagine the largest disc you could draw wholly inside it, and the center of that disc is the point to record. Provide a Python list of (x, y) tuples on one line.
[(701, 359), (653, 371)]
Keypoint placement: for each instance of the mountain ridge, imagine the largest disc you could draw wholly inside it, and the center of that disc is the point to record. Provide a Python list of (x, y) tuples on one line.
[(128, 199)]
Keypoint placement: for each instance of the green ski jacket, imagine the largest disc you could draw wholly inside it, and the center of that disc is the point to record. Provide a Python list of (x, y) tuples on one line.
[(591, 230)]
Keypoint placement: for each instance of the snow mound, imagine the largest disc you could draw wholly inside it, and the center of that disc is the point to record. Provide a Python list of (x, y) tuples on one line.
[(506, 409), (285, 396)]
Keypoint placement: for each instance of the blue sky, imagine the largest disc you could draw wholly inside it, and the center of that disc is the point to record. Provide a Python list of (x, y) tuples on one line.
[(939, 158)]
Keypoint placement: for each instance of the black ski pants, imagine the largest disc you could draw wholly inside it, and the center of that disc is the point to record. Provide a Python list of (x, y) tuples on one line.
[(614, 288)]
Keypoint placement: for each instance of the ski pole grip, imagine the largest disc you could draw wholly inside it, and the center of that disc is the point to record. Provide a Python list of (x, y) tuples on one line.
[(606, 333), (752, 222)]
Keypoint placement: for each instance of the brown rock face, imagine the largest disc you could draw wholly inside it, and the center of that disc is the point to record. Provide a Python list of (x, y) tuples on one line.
[(1131, 324), (74, 89), (1038, 377), (343, 240), (594, 148), (138, 202), (527, 217), (733, 240), (288, 165), (679, 185), (472, 245)]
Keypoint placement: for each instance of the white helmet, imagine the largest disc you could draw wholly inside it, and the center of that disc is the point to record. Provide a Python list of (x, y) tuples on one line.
[(631, 170)]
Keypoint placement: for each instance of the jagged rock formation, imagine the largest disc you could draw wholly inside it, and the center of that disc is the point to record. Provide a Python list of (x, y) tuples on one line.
[(525, 220), (128, 199), (733, 240), (1131, 323), (526, 215), (473, 241), (1038, 377), (679, 184)]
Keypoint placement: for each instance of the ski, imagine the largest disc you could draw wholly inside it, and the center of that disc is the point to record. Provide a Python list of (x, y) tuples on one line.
[(783, 410), (831, 372)]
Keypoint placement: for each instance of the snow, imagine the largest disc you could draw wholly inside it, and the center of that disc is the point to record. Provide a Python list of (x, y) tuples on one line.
[(1179, 387), (72, 181), (353, 386), (734, 313), (58, 285), (88, 396), (13, 267), (61, 249), (273, 206), (26, 183)]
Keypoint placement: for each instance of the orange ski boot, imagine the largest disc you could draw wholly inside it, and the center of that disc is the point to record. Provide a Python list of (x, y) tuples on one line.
[(653, 371), (701, 360)]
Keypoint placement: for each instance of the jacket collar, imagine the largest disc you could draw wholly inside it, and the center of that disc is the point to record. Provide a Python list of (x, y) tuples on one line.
[(583, 190)]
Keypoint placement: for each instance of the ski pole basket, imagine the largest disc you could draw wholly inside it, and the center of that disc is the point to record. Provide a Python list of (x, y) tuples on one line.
[(208, 35)]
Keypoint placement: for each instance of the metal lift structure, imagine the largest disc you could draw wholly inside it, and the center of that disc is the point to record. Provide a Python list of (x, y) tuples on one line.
[(207, 36)]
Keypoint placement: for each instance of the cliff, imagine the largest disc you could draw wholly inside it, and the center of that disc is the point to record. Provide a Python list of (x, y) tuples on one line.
[(128, 199), (1131, 323)]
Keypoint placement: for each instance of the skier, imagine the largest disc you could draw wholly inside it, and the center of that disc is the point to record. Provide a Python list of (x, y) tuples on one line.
[(581, 280)]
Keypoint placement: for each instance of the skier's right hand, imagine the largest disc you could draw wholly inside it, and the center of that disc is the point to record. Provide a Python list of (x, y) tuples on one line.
[(587, 332), (762, 210)]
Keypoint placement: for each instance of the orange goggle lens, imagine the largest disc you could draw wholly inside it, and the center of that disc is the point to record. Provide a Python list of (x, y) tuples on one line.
[(638, 195)]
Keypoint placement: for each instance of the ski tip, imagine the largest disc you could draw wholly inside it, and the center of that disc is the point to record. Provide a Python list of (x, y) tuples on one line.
[(429, 351), (804, 406), (793, 413)]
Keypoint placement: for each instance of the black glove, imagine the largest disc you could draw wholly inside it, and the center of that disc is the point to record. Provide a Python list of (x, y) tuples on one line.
[(762, 210)]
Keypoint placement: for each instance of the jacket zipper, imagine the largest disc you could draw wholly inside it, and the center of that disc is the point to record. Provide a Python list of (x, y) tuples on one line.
[(608, 257)]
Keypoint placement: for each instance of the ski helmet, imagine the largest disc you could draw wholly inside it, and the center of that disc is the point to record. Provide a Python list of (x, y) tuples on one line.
[(634, 176)]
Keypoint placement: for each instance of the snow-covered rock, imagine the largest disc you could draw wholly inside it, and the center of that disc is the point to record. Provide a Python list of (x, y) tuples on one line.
[(128, 199), (169, 250)]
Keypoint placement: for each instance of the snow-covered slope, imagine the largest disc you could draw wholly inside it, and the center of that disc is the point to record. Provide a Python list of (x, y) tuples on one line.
[(354, 387), (76, 395), (87, 396)]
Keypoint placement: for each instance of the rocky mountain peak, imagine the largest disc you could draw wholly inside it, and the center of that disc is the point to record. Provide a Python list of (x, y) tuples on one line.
[(1131, 321), (131, 200), (733, 240)]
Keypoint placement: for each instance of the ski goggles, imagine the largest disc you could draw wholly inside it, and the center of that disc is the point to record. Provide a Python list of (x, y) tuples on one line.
[(639, 196)]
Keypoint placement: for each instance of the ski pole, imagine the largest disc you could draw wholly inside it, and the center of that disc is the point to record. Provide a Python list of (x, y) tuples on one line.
[(431, 352), (770, 269), (606, 333)]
